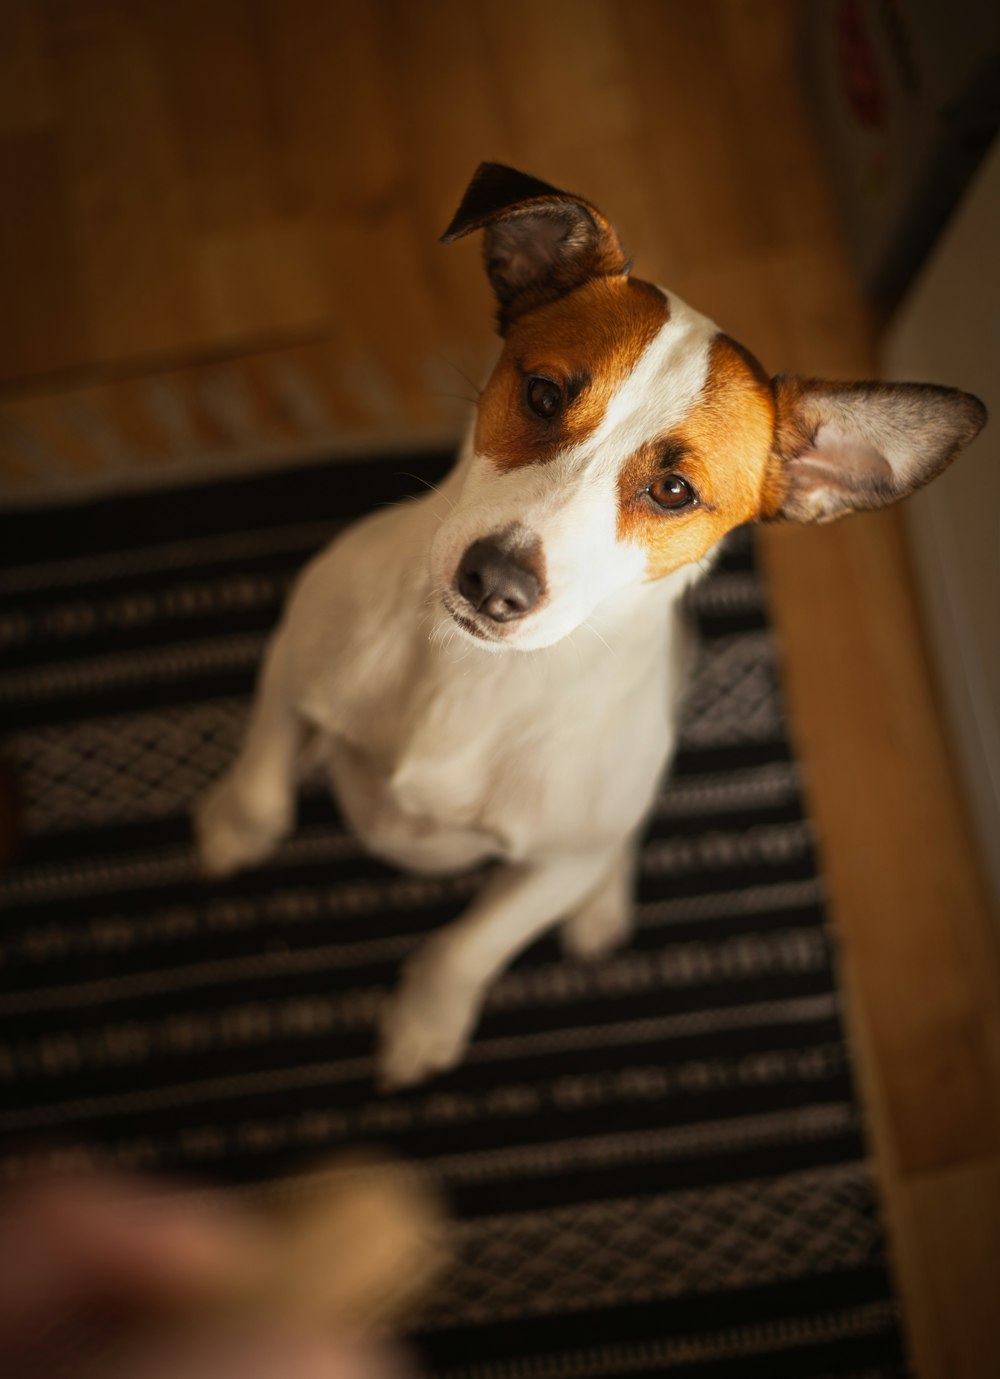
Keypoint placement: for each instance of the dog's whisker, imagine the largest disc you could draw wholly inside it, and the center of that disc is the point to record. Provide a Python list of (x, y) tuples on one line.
[(462, 375), (434, 488), (600, 636), (539, 668), (392, 503)]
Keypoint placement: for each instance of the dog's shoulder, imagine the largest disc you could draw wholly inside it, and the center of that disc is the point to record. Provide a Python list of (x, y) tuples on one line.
[(367, 572), (352, 621)]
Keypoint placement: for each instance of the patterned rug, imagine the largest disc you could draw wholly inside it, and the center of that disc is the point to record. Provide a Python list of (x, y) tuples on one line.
[(655, 1163)]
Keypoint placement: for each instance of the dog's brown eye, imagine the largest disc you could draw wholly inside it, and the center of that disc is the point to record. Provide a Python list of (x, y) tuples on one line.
[(543, 397), (672, 492)]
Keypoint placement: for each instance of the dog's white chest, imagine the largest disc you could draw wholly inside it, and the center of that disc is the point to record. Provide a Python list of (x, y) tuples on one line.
[(511, 758), (436, 794), (422, 830)]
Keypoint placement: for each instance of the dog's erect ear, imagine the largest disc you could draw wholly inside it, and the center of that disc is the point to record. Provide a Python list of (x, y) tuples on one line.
[(540, 242), (845, 446)]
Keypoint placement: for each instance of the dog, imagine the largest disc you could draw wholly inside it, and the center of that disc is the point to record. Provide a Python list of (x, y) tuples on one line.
[(493, 671)]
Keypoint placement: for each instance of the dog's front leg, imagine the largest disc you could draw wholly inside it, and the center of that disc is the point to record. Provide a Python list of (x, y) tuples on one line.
[(245, 815), (427, 1023), (605, 919)]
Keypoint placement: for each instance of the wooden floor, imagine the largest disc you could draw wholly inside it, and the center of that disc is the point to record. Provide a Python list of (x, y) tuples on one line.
[(223, 250)]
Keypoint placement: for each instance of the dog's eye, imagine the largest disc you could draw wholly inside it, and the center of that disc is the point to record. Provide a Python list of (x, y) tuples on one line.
[(543, 397), (672, 492)]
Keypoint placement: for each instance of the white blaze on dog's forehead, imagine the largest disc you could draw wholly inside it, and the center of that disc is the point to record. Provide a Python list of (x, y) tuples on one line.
[(582, 549), (659, 391), (663, 386)]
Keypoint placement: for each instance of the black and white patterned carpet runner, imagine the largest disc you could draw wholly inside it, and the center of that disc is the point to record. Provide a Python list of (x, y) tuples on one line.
[(655, 1162)]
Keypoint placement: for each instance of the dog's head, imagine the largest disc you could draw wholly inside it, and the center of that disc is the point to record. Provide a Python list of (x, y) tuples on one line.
[(622, 434)]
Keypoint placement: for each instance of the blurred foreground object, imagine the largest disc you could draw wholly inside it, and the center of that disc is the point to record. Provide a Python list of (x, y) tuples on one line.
[(359, 1250), (107, 1278)]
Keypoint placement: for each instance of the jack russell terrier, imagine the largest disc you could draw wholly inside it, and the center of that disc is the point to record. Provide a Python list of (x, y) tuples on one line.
[(493, 670)]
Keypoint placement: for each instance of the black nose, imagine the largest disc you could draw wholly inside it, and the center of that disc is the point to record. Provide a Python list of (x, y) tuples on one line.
[(495, 584)]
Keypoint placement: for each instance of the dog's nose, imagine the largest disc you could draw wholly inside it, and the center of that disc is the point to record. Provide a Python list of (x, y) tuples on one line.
[(495, 584)]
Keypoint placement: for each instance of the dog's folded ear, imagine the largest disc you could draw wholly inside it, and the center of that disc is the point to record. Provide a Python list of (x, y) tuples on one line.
[(849, 446), (540, 242)]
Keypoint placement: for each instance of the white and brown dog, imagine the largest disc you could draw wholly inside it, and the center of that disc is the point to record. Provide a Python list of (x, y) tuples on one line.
[(493, 671)]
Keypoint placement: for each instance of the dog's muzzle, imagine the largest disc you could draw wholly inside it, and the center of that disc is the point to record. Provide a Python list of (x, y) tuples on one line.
[(496, 583)]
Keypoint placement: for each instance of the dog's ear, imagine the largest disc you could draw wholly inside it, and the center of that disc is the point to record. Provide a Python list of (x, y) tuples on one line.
[(540, 242), (848, 446)]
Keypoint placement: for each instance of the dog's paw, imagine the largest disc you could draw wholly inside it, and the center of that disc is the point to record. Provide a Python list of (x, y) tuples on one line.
[(601, 924), (426, 1025), (229, 836)]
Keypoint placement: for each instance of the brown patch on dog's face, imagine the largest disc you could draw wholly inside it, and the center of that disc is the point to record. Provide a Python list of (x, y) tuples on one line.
[(722, 449), (586, 343)]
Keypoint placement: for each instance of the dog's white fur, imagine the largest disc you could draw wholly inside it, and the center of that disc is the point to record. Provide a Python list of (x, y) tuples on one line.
[(540, 749)]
